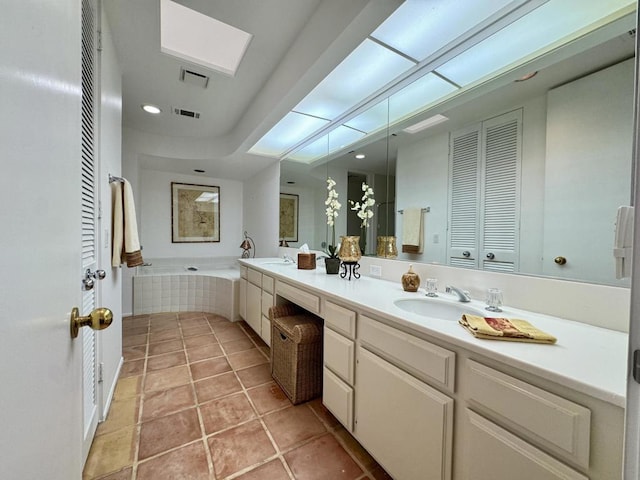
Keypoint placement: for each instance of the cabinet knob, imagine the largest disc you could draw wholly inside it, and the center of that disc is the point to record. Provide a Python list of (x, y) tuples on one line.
[(466, 254), (490, 256)]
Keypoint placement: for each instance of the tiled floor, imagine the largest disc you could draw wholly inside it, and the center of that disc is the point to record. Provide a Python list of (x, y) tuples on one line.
[(195, 400)]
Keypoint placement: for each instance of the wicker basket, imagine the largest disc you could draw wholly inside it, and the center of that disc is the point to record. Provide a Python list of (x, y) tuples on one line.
[(296, 352)]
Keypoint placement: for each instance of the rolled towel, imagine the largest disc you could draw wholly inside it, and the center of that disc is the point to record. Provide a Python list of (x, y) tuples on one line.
[(412, 230), (514, 330)]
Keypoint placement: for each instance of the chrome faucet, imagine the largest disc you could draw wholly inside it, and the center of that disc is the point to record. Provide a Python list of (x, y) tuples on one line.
[(288, 259), (462, 295)]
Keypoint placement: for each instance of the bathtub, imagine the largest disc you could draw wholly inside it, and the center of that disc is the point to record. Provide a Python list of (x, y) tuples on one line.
[(209, 285)]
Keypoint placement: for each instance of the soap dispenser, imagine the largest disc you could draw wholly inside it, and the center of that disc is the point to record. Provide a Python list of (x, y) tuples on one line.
[(410, 280)]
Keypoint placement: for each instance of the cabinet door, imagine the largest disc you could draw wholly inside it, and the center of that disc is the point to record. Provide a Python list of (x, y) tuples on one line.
[(405, 424), (242, 307), (492, 453), (254, 302)]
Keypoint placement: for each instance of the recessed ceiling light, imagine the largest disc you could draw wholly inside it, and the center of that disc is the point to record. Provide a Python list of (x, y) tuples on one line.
[(151, 109), (360, 156), (424, 124), (198, 170), (526, 77)]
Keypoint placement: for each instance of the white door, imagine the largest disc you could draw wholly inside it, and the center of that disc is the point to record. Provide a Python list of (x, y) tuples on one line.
[(41, 410)]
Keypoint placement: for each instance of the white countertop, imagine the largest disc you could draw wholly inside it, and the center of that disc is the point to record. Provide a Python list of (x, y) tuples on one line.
[(588, 359)]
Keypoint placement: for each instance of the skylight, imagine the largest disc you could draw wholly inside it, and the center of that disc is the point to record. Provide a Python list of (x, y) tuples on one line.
[(200, 39), (372, 88)]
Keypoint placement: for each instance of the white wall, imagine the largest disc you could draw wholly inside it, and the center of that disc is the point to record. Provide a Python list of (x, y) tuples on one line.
[(110, 143), (261, 212), (155, 216)]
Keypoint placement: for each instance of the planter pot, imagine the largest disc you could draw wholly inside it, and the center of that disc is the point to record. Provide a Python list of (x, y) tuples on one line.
[(332, 265)]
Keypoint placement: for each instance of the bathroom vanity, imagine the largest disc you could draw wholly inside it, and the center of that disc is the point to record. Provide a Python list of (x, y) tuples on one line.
[(430, 401)]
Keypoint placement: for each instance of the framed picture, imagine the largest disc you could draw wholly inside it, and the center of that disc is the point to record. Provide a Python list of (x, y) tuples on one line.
[(195, 213), (289, 217)]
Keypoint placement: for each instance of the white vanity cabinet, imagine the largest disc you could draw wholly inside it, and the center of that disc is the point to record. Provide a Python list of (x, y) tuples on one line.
[(267, 301), (339, 362), (242, 307), (405, 423), (259, 297)]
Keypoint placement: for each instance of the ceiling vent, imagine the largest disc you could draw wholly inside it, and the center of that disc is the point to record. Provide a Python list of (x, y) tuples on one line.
[(194, 78), (186, 113)]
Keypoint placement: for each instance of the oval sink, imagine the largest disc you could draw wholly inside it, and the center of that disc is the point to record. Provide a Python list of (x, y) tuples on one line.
[(435, 308)]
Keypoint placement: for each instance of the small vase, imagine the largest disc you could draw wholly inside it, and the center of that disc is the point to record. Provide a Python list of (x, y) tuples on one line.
[(332, 265), (386, 247), (350, 248), (410, 280)]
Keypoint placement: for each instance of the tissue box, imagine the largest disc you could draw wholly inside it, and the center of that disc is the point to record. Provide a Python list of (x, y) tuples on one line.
[(306, 261)]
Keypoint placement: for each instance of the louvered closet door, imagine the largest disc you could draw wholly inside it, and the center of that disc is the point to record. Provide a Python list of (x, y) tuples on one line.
[(500, 192), (464, 192), (89, 258)]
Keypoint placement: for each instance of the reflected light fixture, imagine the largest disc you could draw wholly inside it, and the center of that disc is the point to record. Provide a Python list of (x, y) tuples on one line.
[(360, 156), (526, 77), (424, 124), (246, 245), (151, 109)]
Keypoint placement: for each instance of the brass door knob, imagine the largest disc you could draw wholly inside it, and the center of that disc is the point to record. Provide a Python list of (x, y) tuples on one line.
[(98, 319), (560, 260)]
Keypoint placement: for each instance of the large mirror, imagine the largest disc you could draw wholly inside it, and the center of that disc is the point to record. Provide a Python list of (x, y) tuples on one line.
[(572, 137)]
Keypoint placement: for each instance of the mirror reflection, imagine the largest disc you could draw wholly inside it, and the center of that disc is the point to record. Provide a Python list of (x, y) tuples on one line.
[(521, 176)]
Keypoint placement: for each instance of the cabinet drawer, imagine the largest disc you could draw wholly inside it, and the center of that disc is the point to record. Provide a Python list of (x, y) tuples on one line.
[(340, 319), (552, 421), (420, 358), (337, 396), (243, 271), (255, 277), (492, 453), (267, 283), (306, 300), (267, 302), (339, 354), (265, 333)]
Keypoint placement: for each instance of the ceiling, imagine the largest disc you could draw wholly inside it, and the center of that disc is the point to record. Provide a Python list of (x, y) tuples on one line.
[(295, 44)]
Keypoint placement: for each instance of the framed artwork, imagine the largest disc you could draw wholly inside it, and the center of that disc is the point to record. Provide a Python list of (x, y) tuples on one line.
[(289, 217), (195, 213)]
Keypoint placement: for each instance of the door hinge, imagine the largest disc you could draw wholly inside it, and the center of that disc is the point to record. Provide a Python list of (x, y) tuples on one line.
[(100, 369), (99, 40), (635, 368), (99, 209)]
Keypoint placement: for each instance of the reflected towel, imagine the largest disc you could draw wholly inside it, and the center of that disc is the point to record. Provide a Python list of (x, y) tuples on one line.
[(504, 329), (126, 244), (412, 230)]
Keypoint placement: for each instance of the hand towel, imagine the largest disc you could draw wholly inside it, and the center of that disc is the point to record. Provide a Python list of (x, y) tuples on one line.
[(117, 224), (126, 245), (504, 329), (412, 230)]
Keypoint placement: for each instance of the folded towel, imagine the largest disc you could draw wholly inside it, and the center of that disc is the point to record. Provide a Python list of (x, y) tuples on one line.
[(412, 230), (125, 227), (504, 329)]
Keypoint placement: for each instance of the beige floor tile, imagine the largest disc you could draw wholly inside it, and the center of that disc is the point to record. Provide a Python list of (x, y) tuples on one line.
[(111, 452), (122, 413)]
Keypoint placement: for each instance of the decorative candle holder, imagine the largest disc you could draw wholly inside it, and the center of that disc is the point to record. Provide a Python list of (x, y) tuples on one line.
[(386, 247), (350, 254)]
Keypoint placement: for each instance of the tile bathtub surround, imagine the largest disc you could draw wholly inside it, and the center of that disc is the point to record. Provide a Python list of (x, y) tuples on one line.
[(195, 399)]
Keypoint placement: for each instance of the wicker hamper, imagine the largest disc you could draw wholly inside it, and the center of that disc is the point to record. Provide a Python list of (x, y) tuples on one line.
[(296, 352)]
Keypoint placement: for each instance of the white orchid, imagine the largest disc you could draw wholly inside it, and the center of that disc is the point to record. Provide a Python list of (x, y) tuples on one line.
[(333, 206), (365, 212)]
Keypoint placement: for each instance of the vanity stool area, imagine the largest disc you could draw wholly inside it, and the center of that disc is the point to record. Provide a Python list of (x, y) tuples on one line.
[(428, 400)]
